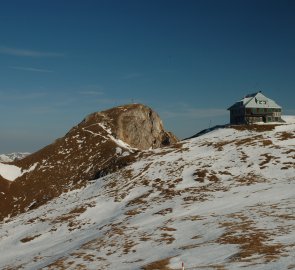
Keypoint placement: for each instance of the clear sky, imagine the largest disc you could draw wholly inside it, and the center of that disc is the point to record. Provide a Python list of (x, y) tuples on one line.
[(189, 60)]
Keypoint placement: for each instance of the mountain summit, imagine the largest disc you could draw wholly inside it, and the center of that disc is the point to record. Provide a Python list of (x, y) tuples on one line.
[(102, 143)]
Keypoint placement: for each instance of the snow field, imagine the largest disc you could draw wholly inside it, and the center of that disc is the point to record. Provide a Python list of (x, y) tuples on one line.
[(224, 200)]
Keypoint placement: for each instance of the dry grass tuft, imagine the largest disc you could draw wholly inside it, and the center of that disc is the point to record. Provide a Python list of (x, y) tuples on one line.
[(168, 229), (132, 212), (257, 128), (285, 135), (200, 175), (29, 238), (164, 212), (250, 179), (166, 238), (220, 145), (191, 246), (192, 218), (225, 173), (268, 158), (158, 265), (139, 200), (266, 142), (249, 141), (289, 151), (213, 178), (78, 210), (59, 264)]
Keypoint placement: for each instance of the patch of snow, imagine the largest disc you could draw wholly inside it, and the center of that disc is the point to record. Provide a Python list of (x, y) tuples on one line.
[(108, 130), (118, 150), (32, 168), (289, 119), (125, 154), (10, 172), (121, 143)]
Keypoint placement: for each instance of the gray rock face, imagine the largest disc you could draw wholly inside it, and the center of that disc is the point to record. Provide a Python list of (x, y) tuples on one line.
[(142, 128), (135, 124)]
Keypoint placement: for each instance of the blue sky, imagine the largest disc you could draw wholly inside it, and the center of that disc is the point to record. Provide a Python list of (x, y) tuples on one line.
[(189, 60)]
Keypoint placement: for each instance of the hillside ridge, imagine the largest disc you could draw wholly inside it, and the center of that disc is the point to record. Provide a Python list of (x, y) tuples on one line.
[(90, 150)]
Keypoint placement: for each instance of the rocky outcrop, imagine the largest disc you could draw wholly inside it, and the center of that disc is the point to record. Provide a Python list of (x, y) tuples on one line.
[(142, 128), (101, 144), (135, 124)]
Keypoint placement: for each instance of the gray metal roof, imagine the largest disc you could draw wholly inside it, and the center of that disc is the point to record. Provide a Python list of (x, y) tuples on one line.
[(256, 100)]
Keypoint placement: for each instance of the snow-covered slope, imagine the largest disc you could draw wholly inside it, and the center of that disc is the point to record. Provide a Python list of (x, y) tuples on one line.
[(224, 200), (289, 119)]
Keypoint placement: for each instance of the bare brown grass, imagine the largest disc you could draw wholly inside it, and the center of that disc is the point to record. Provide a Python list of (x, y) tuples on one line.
[(251, 240), (286, 135), (250, 179), (249, 141), (200, 175), (29, 238), (158, 265), (257, 128), (268, 158), (164, 212)]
